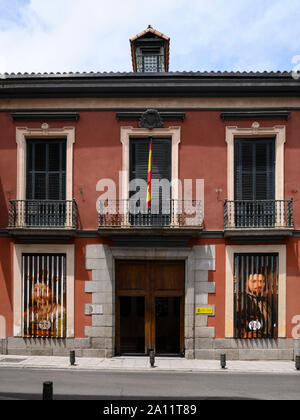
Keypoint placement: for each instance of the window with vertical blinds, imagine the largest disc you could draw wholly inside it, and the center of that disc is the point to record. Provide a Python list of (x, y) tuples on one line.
[(254, 169), (161, 169), (46, 170), (254, 182), (46, 182)]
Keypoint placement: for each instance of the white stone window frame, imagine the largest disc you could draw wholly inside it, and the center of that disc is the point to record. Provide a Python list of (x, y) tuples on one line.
[(69, 250), (47, 133), (229, 295), (255, 131), (128, 132)]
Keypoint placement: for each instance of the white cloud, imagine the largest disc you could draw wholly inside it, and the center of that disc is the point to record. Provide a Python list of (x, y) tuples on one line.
[(93, 35)]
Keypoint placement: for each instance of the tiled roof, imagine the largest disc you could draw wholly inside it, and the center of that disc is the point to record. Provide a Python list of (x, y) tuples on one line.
[(268, 74), (153, 31), (168, 84)]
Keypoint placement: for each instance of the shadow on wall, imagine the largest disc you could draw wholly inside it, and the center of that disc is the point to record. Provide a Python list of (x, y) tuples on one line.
[(3, 208), (2, 327)]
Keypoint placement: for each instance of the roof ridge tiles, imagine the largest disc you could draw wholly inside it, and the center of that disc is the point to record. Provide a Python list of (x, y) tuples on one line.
[(177, 72)]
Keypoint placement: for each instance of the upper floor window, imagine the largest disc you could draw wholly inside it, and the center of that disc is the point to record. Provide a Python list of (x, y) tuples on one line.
[(46, 170), (161, 158), (254, 169), (150, 60), (254, 182), (161, 170)]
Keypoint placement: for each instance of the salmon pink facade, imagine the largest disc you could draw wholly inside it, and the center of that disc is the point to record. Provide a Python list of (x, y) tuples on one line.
[(82, 269)]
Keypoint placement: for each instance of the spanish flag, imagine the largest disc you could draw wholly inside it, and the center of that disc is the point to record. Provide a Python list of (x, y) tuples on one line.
[(149, 177)]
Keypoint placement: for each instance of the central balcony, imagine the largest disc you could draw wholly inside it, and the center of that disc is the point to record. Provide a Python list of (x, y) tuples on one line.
[(42, 217), (258, 218), (119, 217)]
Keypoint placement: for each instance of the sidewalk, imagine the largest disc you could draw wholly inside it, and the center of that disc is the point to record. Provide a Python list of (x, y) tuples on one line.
[(142, 364)]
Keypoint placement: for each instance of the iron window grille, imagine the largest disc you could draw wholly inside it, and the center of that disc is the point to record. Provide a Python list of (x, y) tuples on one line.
[(44, 295), (256, 296)]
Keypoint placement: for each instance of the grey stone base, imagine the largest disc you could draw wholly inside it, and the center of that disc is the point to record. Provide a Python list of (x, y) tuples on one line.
[(296, 347), (45, 346), (262, 349), (206, 348)]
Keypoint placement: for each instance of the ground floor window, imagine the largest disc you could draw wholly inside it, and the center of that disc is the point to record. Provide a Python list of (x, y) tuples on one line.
[(44, 295), (256, 295)]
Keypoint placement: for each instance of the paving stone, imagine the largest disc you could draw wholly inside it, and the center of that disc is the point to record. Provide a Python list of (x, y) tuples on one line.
[(96, 251), (201, 320), (102, 298), (205, 251), (16, 343), (98, 343), (102, 275), (41, 352), (103, 321), (93, 353), (78, 343), (205, 332), (91, 309), (201, 276), (18, 352), (205, 264), (203, 343), (106, 332), (97, 286), (201, 299), (205, 287)]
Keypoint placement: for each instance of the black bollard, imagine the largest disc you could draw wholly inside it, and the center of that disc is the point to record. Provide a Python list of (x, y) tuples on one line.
[(48, 391), (72, 357), (152, 357), (223, 361), (297, 362)]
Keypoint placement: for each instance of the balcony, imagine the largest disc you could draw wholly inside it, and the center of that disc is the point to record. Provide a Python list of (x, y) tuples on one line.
[(42, 217), (259, 219), (168, 218)]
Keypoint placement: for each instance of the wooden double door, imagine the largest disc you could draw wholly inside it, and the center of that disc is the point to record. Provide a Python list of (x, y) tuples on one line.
[(150, 307)]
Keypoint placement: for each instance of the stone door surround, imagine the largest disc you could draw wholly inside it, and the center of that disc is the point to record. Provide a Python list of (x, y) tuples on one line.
[(100, 259)]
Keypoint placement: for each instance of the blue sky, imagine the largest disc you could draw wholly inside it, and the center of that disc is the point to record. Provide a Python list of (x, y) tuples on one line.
[(93, 35)]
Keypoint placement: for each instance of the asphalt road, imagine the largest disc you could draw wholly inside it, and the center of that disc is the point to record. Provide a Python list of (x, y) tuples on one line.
[(117, 385)]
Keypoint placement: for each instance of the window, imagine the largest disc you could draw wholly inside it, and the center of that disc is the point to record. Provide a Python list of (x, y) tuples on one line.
[(254, 182), (47, 134), (150, 60), (254, 169), (44, 178), (46, 170), (48, 264), (44, 295), (46, 183), (128, 134), (252, 133), (161, 170), (256, 295)]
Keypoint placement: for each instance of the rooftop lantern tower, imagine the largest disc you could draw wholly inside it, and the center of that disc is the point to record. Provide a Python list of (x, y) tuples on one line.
[(150, 51)]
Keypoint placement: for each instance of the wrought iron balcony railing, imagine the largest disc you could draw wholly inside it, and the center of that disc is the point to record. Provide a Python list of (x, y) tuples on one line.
[(43, 214), (258, 214), (124, 213)]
